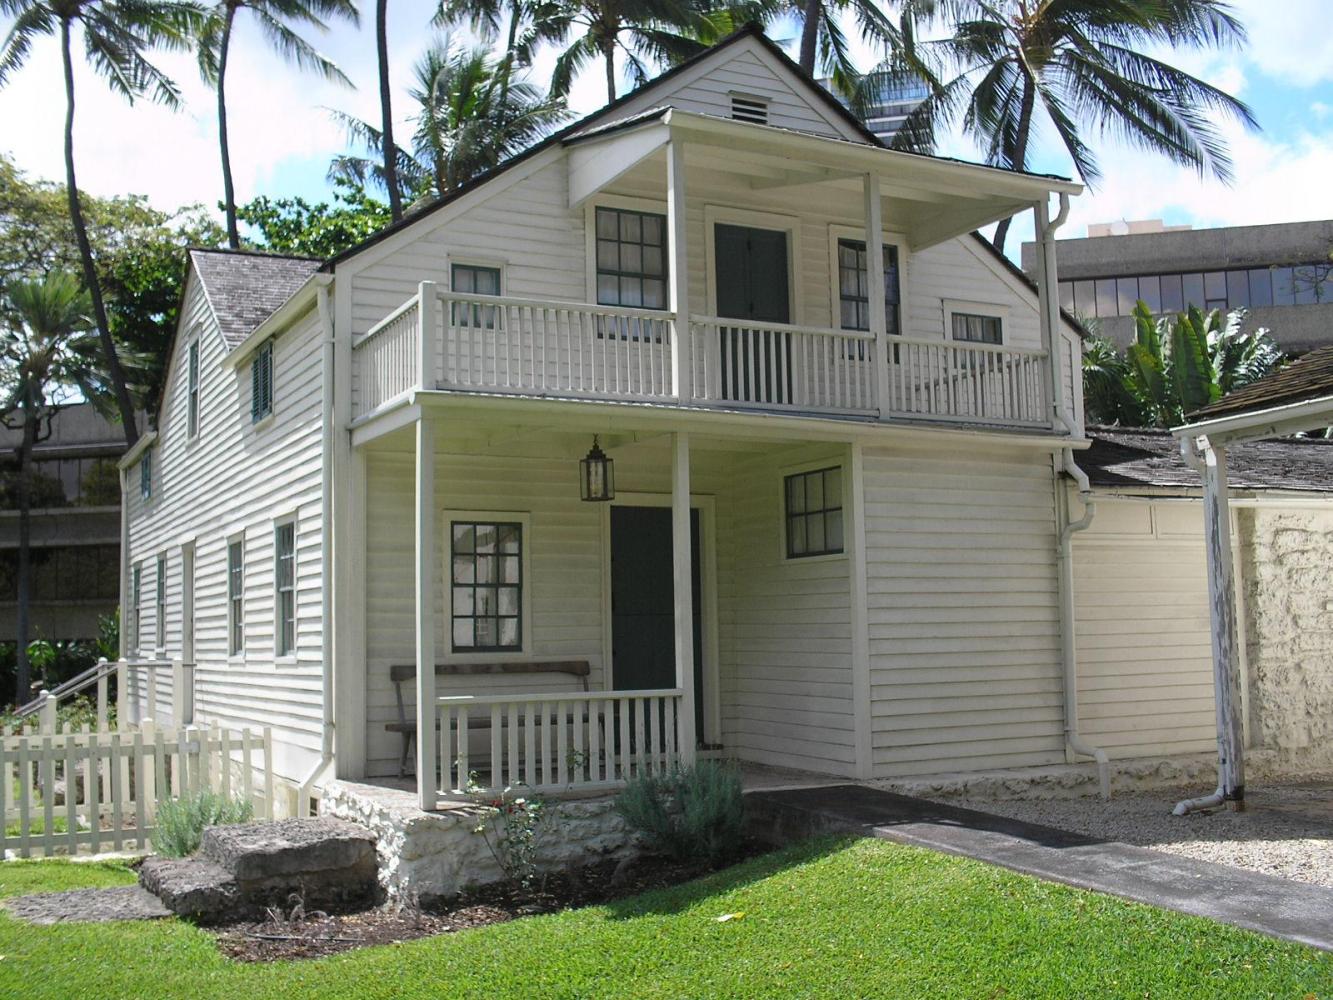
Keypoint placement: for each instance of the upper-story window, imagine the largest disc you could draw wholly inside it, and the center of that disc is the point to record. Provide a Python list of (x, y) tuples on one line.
[(261, 383), (977, 328), (474, 279), (192, 390), (284, 575), (146, 474), (854, 287), (631, 259)]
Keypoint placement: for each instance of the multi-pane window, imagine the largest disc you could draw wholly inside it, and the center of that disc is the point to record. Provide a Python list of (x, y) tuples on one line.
[(160, 607), (235, 598), (136, 605), (65, 573), (146, 474), (474, 279), (977, 328), (1241, 288), (261, 383), (814, 513), (192, 390), (486, 572), (854, 287), (284, 576), (631, 259)]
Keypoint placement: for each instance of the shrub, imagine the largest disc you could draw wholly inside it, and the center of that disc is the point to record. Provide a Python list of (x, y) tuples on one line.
[(180, 822), (693, 814)]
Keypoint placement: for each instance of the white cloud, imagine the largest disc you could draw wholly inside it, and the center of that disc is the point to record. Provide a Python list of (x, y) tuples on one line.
[(1289, 40)]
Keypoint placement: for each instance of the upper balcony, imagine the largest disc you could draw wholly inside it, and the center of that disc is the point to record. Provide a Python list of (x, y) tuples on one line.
[(442, 340)]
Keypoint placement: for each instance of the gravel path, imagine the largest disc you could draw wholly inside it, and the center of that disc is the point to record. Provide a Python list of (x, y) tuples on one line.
[(1286, 830)]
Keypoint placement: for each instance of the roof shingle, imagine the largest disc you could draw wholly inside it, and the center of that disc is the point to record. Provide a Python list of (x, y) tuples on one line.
[(244, 288), (1308, 377)]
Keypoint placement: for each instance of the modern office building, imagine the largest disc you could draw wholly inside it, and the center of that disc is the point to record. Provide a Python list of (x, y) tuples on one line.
[(1282, 274), (75, 527), (892, 98)]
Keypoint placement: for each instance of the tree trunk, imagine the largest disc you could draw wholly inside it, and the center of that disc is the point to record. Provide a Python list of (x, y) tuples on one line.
[(23, 484), (810, 34), (117, 375), (228, 189), (609, 52), (507, 69), (388, 149), (1019, 157)]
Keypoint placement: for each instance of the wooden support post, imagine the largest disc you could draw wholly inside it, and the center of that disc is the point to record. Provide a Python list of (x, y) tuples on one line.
[(682, 579), (122, 693), (428, 306), (678, 274), (853, 502), (46, 716), (879, 317), (177, 693), (102, 714), (427, 785), (1222, 602)]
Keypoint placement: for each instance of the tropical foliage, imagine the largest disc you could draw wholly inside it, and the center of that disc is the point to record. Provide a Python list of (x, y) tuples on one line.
[(315, 229), (469, 116), (1010, 67), (1175, 365)]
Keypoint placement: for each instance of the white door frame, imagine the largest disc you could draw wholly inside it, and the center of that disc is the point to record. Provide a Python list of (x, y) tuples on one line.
[(706, 505)]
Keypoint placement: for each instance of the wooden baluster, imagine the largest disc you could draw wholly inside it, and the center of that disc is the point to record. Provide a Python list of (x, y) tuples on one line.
[(640, 749), (546, 744), (562, 740), (595, 717), (580, 720), (654, 761), (626, 770), (464, 739), (513, 746), (670, 727), (497, 755), (530, 744)]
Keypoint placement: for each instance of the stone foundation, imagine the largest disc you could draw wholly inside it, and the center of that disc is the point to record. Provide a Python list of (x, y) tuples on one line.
[(435, 855)]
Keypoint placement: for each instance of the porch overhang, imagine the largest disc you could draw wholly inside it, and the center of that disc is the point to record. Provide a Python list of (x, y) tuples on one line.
[(928, 199)]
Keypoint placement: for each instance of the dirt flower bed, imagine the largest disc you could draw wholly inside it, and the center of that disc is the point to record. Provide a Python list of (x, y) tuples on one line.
[(300, 935)]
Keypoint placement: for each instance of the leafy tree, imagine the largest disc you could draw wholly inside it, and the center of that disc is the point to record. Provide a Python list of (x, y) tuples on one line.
[(276, 19), (468, 120), (117, 35), (46, 349), (1175, 365), (138, 251), (1079, 64), (316, 229)]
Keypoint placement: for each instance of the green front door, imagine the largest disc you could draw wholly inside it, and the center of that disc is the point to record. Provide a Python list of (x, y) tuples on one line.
[(750, 273)]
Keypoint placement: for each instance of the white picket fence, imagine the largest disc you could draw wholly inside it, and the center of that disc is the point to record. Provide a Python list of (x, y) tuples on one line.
[(69, 792)]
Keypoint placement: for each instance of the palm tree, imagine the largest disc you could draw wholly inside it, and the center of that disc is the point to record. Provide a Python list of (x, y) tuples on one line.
[(1175, 365), (661, 31), (47, 346), (485, 17), (276, 19), (117, 35), (388, 151), (467, 122), (1082, 63)]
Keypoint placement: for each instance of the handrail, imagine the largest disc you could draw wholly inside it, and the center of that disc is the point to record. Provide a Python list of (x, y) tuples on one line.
[(749, 324), (384, 323), (663, 315), (516, 699), (74, 685)]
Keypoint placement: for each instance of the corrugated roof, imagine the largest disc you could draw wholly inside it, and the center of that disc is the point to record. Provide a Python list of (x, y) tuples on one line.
[(245, 287), (1308, 377), (1131, 457)]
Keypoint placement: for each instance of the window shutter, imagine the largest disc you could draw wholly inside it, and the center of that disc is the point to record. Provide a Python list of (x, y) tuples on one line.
[(256, 379)]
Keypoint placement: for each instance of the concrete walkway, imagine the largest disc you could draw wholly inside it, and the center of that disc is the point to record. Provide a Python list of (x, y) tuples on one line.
[(1295, 911)]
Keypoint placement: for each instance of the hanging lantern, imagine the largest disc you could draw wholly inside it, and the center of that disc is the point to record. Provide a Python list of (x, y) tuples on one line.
[(597, 475)]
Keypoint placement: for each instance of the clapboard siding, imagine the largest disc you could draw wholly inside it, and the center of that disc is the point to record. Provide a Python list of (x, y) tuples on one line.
[(235, 478), (962, 610), (1141, 609)]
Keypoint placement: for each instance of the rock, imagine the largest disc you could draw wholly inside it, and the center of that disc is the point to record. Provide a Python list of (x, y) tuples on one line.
[(124, 902), (192, 887), (290, 847)]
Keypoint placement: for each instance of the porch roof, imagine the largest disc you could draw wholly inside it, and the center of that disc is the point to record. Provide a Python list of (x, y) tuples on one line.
[(929, 200)]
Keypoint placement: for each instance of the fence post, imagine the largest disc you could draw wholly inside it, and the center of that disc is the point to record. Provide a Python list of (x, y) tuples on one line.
[(187, 698), (177, 693), (122, 693), (147, 779), (47, 713), (101, 695)]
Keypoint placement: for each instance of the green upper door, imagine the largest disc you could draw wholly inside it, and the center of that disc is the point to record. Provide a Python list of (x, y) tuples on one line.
[(751, 282)]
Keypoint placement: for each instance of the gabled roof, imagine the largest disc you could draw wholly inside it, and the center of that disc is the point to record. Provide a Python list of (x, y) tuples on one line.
[(1130, 458), (245, 287), (1308, 377)]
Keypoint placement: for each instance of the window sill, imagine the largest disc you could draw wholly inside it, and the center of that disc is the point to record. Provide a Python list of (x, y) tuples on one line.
[(263, 423), (236, 660), (492, 655), (286, 660), (822, 557)]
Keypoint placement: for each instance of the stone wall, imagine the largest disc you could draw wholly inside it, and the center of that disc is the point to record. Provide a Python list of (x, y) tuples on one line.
[(1287, 568), (437, 854)]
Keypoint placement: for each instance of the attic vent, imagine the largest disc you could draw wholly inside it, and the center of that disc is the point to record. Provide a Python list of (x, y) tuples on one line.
[(749, 109)]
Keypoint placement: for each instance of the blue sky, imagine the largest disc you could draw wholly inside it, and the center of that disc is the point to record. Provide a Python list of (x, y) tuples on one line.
[(282, 136)]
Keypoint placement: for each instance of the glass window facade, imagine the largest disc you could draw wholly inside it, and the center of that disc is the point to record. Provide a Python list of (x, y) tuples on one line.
[(1294, 285)]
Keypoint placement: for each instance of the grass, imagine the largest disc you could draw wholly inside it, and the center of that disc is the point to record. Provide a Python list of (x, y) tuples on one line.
[(825, 918)]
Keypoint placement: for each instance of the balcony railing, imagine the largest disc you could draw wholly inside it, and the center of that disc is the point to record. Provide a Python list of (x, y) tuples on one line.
[(502, 344)]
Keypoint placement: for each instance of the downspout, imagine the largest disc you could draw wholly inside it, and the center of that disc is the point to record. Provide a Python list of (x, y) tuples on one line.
[(1074, 742), (326, 539), (1049, 283)]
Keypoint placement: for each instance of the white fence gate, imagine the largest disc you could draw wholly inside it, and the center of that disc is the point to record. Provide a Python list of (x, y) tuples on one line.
[(67, 792)]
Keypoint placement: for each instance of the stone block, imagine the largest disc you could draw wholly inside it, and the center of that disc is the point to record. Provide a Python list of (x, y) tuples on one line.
[(290, 847), (192, 887)]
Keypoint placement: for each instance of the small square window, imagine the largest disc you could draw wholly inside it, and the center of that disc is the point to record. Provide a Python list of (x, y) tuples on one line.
[(814, 513), (486, 589)]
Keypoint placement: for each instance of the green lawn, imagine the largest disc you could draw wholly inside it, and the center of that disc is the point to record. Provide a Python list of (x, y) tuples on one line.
[(821, 919)]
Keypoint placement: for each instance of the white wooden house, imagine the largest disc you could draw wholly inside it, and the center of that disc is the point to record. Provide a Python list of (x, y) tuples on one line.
[(835, 542)]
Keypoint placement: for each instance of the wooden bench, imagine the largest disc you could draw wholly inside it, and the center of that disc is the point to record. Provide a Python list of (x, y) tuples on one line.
[(402, 674)]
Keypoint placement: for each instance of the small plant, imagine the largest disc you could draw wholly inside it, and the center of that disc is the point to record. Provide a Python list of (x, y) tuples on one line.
[(180, 822), (693, 814), (510, 827)]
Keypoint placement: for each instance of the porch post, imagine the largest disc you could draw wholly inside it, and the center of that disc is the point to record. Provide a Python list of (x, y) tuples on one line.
[(879, 321), (427, 783), (1222, 602), (682, 580), (1048, 308), (678, 274)]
